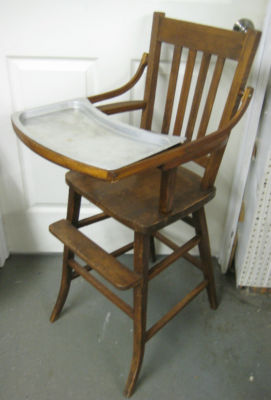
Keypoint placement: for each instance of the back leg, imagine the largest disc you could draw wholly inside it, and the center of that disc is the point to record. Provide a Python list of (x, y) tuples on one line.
[(205, 255), (73, 210), (152, 249)]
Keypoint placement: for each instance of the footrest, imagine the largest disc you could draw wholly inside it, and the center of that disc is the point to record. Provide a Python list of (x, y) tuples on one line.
[(98, 259)]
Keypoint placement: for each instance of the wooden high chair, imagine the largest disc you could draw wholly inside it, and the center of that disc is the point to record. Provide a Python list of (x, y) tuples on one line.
[(152, 193)]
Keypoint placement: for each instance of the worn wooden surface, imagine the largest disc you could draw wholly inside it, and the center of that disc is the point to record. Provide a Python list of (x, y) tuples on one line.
[(105, 264), (73, 211), (134, 201), (146, 198)]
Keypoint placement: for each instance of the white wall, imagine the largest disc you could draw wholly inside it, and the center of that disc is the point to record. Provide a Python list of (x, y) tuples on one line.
[(58, 49)]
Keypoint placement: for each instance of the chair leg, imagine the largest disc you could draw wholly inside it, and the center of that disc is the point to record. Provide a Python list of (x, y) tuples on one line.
[(205, 254), (73, 210), (64, 285), (152, 249), (141, 256)]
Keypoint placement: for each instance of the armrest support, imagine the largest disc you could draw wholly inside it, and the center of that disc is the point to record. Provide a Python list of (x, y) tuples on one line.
[(189, 151), (122, 106), (169, 160)]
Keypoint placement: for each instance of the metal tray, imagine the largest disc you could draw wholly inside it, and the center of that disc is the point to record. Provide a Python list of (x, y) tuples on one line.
[(78, 130)]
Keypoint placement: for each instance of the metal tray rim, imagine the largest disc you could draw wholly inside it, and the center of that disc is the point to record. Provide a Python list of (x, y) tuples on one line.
[(164, 142)]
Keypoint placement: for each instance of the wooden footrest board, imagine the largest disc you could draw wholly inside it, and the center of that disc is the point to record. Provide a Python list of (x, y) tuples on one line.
[(98, 259)]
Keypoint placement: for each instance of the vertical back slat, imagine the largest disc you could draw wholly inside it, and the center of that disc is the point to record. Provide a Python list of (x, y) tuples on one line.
[(171, 88), (241, 74), (211, 42), (185, 91), (205, 62), (239, 81), (152, 73), (211, 97)]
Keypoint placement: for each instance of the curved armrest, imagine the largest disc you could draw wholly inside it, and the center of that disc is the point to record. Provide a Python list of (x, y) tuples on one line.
[(123, 106), (215, 140), (169, 160), (190, 151), (124, 88)]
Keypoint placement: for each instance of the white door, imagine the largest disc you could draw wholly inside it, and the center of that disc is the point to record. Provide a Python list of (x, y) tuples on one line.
[(54, 50)]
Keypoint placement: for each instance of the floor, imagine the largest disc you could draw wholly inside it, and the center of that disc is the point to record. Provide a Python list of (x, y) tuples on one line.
[(85, 355)]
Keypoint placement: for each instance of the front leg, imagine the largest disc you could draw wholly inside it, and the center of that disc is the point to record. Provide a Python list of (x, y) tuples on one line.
[(141, 257), (73, 211)]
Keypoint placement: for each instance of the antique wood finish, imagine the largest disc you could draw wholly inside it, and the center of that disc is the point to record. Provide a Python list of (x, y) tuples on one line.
[(123, 106), (206, 58), (141, 260), (179, 252), (211, 96), (169, 243), (251, 41), (168, 159), (122, 250), (76, 274), (102, 288), (216, 157), (203, 38), (167, 190), (152, 249), (176, 309), (152, 73), (205, 255), (124, 88), (73, 211), (91, 220), (105, 264), (157, 191), (171, 88), (142, 192), (185, 91)]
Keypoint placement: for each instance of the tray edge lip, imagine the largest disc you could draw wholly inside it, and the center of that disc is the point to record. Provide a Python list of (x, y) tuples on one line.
[(104, 119), (111, 175), (63, 160)]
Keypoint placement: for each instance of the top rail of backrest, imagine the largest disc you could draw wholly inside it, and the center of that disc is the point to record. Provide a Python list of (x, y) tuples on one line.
[(204, 38)]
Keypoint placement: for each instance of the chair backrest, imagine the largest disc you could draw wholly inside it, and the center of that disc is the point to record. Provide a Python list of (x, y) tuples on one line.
[(214, 46)]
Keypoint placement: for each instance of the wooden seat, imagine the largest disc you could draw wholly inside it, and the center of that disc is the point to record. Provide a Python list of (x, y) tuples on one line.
[(142, 193), (152, 193)]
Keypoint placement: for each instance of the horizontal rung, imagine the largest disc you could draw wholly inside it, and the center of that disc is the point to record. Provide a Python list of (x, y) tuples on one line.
[(91, 220), (156, 269), (169, 243), (174, 246), (122, 250), (114, 108), (174, 311), (102, 288), (76, 274), (188, 220), (202, 161), (98, 259), (193, 260)]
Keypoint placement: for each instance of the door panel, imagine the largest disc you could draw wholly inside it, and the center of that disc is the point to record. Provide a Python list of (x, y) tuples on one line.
[(36, 81)]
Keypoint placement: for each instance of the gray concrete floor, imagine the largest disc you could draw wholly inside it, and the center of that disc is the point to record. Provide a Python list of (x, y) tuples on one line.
[(85, 355)]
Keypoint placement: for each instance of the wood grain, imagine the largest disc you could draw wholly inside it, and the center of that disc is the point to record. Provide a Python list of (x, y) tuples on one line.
[(105, 264), (153, 193)]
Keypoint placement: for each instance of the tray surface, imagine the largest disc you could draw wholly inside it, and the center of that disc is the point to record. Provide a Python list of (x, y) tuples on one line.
[(78, 130)]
